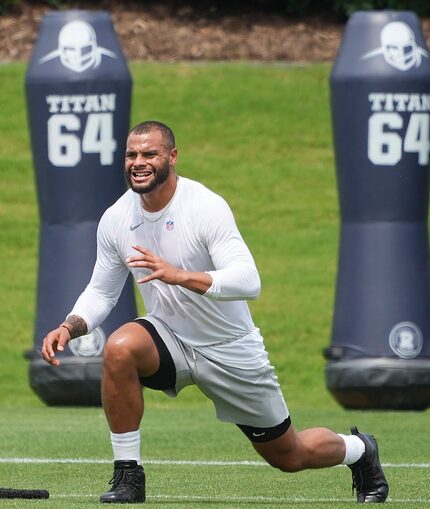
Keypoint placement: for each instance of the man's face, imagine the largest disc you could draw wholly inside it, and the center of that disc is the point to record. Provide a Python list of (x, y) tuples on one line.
[(148, 161)]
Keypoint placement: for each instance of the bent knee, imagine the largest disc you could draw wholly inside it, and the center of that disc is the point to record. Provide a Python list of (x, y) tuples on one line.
[(117, 350), (284, 452), (131, 348), (127, 343), (286, 457)]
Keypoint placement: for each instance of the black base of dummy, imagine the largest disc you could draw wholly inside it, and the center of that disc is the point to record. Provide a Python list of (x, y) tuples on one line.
[(380, 383)]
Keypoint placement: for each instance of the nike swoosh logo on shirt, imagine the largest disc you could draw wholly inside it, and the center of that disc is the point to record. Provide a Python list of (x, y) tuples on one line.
[(132, 228)]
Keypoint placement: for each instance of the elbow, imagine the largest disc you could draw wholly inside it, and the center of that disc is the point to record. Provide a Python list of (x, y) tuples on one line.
[(255, 287), (255, 294), (229, 285)]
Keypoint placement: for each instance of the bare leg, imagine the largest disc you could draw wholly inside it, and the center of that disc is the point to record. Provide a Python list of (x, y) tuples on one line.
[(311, 448), (129, 353)]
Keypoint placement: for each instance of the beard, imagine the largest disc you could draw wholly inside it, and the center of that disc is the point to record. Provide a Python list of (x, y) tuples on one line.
[(160, 176)]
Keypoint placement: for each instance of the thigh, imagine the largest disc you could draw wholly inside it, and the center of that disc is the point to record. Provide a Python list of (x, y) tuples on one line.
[(249, 398)]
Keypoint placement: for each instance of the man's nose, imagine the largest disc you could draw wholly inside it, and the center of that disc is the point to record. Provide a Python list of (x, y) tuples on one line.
[(140, 160)]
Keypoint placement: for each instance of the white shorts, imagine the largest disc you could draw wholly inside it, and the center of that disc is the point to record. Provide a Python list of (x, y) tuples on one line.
[(248, 397)]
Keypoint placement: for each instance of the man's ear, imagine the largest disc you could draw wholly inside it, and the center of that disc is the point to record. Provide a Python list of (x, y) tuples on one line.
[(173, 156)]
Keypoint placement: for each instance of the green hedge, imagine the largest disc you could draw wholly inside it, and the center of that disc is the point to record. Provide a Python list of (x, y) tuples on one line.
[(347, 7), (343, 8), (297, 8), (6, 4)]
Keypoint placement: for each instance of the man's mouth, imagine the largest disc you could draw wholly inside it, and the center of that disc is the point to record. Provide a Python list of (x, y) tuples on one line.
[(141, 174)]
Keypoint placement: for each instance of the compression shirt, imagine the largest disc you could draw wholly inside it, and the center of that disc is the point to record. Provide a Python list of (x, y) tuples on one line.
[(197, 232)]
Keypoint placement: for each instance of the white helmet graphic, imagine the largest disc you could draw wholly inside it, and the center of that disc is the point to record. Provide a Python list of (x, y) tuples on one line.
[(398, 46), (77, 47)]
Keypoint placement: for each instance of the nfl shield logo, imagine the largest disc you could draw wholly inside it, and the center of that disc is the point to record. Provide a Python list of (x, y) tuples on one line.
[(169, 225)]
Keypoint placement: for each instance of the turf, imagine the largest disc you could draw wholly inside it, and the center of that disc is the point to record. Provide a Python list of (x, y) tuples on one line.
[(261, 136), (191, 460)]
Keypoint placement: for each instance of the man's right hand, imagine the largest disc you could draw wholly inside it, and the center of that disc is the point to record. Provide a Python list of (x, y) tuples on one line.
[(54, 342)]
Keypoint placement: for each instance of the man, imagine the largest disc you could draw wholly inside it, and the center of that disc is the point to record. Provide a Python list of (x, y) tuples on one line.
[(195, 273)]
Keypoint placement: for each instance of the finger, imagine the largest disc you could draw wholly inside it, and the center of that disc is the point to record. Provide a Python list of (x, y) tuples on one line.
[(48, 348), (141, 258), (54, 362), (62, 342), (140, 249), (135, 260), (49, 357), (144, 262), (148, 278), (44, 353), (139, 263), (146, 252)]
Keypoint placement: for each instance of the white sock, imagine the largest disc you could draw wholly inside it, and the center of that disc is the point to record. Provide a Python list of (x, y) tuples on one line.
[(354, 449), (126, 446)]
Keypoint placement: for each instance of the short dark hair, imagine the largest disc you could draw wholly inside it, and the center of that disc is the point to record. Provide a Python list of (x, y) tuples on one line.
[(151, 125)]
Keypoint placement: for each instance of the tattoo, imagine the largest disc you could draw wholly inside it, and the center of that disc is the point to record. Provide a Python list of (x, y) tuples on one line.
[(77, 325)]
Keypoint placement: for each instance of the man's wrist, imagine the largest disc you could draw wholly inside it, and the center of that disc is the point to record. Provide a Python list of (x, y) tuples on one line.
[(198, 282), (75, 325), (68, 328)]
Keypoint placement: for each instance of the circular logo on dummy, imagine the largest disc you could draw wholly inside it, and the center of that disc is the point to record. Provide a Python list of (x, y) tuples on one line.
[(406, 340), (90, 345)]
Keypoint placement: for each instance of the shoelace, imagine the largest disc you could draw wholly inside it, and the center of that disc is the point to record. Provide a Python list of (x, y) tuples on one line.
[(125, 477), (358, 475), (357, 480)]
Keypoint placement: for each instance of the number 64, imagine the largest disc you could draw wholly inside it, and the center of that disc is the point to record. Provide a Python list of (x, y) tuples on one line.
[(64, 145), (385, 147)]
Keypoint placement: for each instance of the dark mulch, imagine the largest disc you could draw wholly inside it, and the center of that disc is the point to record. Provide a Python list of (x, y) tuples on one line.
[(171, 30)]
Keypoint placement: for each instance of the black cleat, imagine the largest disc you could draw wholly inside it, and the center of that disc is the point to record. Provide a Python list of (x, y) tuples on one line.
[(368, 478), (128, 484)]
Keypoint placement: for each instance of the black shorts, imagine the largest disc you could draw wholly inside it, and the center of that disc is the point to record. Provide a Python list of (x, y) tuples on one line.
[(165, 377)]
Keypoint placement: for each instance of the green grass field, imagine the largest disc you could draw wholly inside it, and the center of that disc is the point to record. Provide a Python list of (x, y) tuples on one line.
[(260, 135)]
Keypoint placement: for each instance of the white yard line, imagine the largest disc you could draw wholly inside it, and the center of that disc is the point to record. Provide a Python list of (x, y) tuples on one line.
[(257, 499), (201, 498), (148, 461)]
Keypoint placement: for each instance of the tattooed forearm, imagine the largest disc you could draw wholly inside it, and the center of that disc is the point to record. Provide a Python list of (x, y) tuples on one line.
[(76, 326)]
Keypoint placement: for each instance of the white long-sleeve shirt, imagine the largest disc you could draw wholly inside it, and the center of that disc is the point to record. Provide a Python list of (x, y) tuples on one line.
[(197, 232)]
